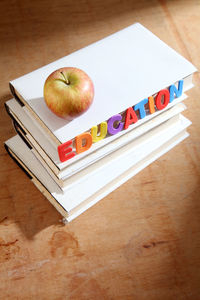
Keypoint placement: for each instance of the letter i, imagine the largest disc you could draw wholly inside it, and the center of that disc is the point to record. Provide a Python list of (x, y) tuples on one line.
[(151, 105)]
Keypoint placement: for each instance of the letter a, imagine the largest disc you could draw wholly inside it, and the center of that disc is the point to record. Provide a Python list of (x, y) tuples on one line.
[(131, 117)]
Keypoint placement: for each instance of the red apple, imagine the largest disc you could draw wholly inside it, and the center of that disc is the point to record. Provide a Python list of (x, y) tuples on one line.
[(68, 92)]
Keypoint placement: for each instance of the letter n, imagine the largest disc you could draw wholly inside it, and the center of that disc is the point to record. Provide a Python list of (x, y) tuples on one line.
[(173, 90)]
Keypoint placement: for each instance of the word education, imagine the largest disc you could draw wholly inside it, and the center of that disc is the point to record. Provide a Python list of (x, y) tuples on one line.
[(119, 122)]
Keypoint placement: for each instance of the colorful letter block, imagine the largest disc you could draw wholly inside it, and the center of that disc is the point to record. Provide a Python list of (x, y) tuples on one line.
[(83, 142), (63, 151), (131, 117), (114, 125), (173, 90), (113, 130), (103, 132), (163, 94), (151, 105), (141, 108)]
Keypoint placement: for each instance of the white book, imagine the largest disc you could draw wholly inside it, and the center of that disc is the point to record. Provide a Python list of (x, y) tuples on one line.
[(87, 187), (125, 67), (107, 150), (147, 70), (47, 153)]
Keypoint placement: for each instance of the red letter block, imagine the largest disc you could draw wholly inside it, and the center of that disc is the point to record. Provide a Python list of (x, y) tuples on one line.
[(131, 117), (165, 94), (63, 151)]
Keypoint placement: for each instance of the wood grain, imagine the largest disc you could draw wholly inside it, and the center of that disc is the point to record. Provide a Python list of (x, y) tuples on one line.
[(143, 240)]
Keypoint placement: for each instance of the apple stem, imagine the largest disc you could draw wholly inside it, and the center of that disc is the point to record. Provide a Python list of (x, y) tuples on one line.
[(66, 80)]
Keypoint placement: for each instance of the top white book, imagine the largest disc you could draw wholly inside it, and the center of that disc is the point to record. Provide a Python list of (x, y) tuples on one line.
[(125, 67)]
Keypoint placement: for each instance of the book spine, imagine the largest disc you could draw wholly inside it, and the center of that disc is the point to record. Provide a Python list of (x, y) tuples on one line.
[(21, 167), (12, 89), (39, 184), (20, 131)]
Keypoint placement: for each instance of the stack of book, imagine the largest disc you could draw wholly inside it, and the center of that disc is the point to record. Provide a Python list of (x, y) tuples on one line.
[(140, 84)]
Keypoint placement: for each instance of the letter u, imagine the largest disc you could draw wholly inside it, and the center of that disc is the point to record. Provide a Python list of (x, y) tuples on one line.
[(103, 132)]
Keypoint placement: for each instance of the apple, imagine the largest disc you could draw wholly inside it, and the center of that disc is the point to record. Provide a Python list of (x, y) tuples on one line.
[(68, 92)]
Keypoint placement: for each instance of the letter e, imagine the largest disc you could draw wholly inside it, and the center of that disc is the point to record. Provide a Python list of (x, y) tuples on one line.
[(63, 151)]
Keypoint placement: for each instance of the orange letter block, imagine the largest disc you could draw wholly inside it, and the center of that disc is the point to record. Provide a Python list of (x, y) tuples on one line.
[(83, 142), (151, 105)]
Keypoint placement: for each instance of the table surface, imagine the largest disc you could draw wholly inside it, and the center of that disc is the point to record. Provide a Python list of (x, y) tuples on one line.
[(143, 240)]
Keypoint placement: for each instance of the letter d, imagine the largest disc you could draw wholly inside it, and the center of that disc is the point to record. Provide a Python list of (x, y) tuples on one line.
[(83, 142)]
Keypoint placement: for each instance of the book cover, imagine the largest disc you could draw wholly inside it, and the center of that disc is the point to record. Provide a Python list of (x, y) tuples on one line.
[(126, 68), (99, 179), (46, 152)]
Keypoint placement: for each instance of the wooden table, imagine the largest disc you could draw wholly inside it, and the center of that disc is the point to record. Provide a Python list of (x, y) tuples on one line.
[(143, 240)]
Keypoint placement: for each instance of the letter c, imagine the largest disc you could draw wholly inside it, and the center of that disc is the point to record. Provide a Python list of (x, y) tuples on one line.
[(111, 129)]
